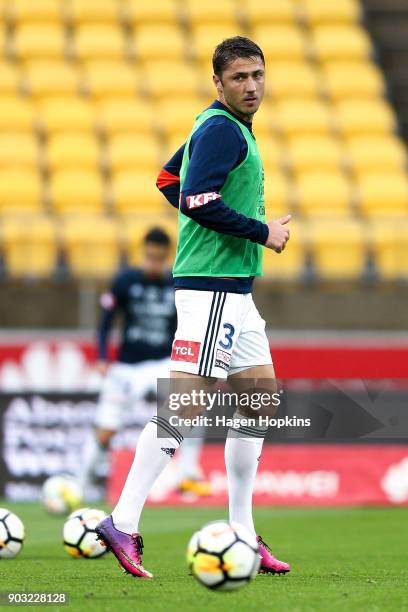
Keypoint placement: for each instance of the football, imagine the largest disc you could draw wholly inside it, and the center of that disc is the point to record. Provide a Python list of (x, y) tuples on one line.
[(80, 539), (61, 494), (223, 556), (11, 534)]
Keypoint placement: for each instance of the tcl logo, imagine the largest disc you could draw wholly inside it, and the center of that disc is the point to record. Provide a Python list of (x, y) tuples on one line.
[(185, 350), (196, 201)]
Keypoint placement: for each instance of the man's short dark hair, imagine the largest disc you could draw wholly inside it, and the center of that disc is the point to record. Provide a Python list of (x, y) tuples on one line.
[(157, 235), (232, 48)]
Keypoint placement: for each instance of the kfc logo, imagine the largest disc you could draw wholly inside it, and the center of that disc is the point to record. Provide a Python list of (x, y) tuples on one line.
[(196, 201), (185, 350)]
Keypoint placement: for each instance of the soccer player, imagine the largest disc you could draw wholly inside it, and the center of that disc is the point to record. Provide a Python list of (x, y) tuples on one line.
[(217, 177)]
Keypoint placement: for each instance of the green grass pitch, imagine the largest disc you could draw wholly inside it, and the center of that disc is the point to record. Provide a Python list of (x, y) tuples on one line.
[(341, 560)]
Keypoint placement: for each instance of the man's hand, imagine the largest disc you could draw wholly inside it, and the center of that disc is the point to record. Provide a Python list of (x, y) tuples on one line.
[(102, 367), (278, 234)]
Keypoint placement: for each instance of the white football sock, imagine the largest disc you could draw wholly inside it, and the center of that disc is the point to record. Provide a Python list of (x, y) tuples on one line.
[(153, 453), (188, 458), (93, 454), (243, 449)]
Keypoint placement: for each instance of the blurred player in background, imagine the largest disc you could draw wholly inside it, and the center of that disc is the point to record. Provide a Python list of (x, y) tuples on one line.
[(216, 180), (145, 298)]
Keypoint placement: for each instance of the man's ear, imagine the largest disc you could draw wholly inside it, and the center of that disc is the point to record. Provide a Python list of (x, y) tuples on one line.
[(218, 83)]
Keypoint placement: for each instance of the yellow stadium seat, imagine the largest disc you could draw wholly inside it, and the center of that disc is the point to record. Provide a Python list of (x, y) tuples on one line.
[(135, 229), (352, 80), (51, 78), (139, 13), (262, 120), (382, 152), (178, 116), (278, 194), (92, 11), (109, 79), (39, 40), (18, 149), (9, 79), (159, 42), (91, 245), (316, 12), (341, 42), (33, 11), (288, 265), (285, 79), (65, 114), (30, 246), (338, 248), (206, 37), (297, 116), (271, 152), (69, 150), (259, 12), (314, 153), (323, 193), (166, 78), (173, 143), (133, 151), (16, 114), (198, 12), (99, 41), (125, 115), (76, 191), (360, 116), (135, 191), (280, 42), (383, 194), (389, 243), (20, 191)]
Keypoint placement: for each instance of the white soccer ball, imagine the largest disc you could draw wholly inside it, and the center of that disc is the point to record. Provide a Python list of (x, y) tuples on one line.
[(61, 494), (80, 539), (12, 534), (223, 556)]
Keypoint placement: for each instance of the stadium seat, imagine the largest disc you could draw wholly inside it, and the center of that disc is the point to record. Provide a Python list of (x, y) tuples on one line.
[(110, 79), (69, 150), (173, 143), (383, 194), (91, 246), (136, 228), (125, 115), (133, 151), (164, 79), (39, 41), (16, 114), (278, 194), (316, 12), (9, 79), (206, 38), (352, 80), (197, 12), (141, 13), (159, 42), (314, 153), (18, 11), (297, 116), (280, 42), (389, 244), (135, 191), (19, 149), (338, 248), (51, 78), (178, 117), (261, 12), (76, 191), (359, 116), (382, 152), (65, 114), (271, 152), (30, 246), (92, 11), (20, 191), (262, 120), (288, 265), (285, 79), (99, 41), (323, 193), (340, 42)]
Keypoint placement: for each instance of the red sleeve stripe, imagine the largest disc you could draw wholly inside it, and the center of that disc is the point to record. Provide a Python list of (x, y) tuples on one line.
[(166, 178)]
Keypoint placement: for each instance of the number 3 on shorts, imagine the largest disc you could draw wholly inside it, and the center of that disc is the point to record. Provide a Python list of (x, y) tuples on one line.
[(226, 343)]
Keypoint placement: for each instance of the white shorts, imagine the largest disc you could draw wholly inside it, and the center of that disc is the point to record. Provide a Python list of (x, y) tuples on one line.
[(218, 334), (123, 387)]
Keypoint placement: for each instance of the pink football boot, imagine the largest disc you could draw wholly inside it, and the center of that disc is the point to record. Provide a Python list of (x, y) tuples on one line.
[(269, 563)]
